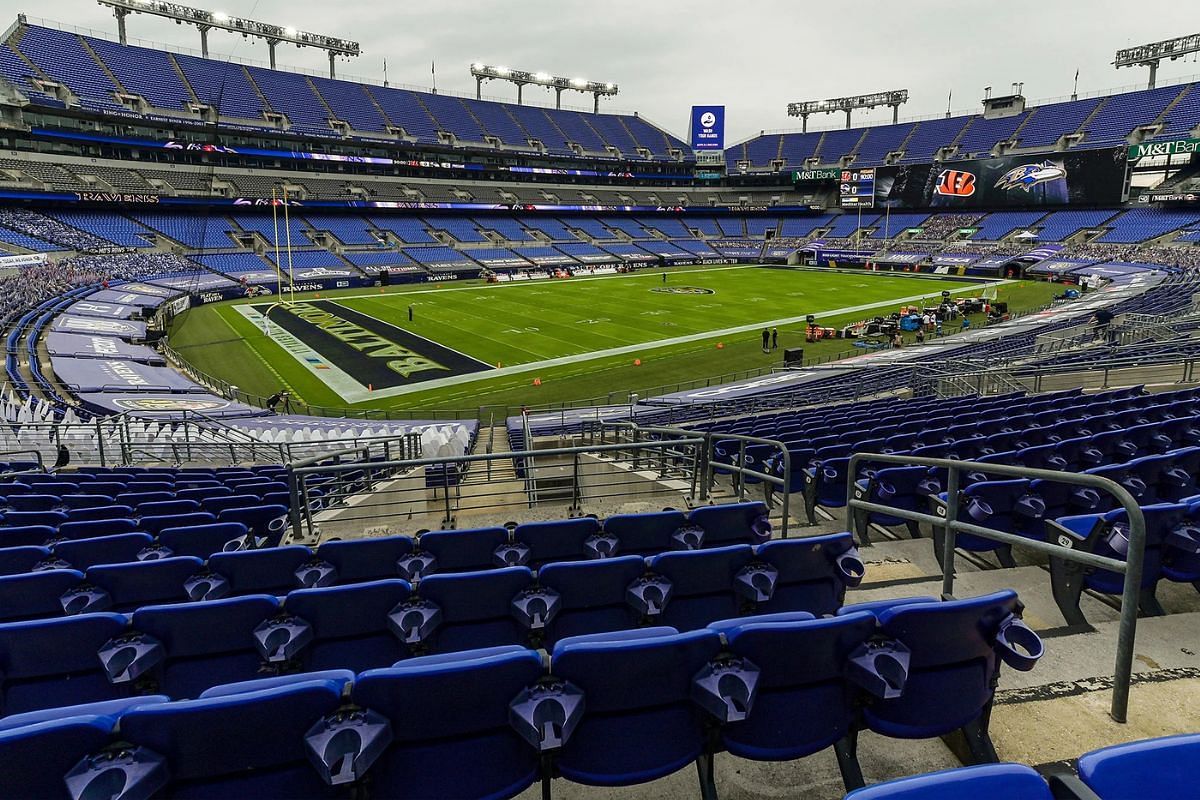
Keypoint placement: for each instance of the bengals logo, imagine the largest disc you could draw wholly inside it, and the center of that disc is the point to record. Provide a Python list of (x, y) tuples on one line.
[(955, 183)]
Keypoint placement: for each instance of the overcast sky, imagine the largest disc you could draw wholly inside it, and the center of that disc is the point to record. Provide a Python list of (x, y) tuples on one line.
[(753, 56)]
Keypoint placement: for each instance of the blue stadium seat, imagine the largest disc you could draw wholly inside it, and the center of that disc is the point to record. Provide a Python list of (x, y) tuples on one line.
[(538, 543), (156, 524), (186, 648), (266, 522), (79, 518), (1164, 767), (591, 596), (240, 745), (733, 523), (26, 536), (475, 608), (447, 712), (35, 758), (983, 782), (370, 559), (203, 541), (117, 549), (125, 587), (645, 534), (812, 574), (272, 570), (907, 488), (956, 649), (36, 595), (701, 585), (463, 551), (805, 699), (349, 625), (53, 662), (633, 730), (16, 560)]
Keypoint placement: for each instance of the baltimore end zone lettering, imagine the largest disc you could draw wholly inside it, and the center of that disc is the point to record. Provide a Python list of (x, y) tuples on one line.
[(402, 360)]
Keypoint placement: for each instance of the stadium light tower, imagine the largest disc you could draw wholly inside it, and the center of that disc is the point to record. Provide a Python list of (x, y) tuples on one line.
[(894, 99), (483, 72), (207, 20), (1150, 55)]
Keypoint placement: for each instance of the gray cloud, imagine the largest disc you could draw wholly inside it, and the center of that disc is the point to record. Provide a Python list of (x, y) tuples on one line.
[(753, 56)]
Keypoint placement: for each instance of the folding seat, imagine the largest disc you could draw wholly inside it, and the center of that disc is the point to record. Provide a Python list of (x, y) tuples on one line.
[(634, 729), (1164, 767), (72, 501), (117, 549), (1078, 453), (107, 487), (955, 650), (1122, 474), (182, 649), (367, 559), (1003, 505), (34, 759), (807, 696), (218, 503), (18, 560), (349, 626), (811, 574), (467, 610), (645, 534), (36, 595), (55, 487), (124, 587), (447, 712), (1183, 431), (203, 541), (134, 499), (52, 662), (241, 745), (700, 587), (34, 502), (732, 523), (982, 782), (272, 570), (167, 508), (907, 488), (155, 524), (586, 597), (463, 551), (538, 543), (267, 523), (263, 488), (1063, 499), (98, 513), (1108, 535), (1163, 479), (26, 536), (997, 443), (1115, 446), (825, 485), (1043, 456), (24, 519), (148, 485), (91, 528)]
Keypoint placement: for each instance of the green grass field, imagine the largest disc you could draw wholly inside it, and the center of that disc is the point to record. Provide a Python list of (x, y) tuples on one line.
[(579, 338)]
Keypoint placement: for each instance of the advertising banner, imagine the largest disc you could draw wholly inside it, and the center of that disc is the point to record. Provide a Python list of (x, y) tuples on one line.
[(26, 260), (79, 345), (125, 329), (1088, 177), (167, 406), (708, 128), (1171, 148), (90, 308), (121, 297), (116, 375)]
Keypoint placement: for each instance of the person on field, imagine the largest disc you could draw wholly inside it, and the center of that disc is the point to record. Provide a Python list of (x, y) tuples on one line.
[(664, 277), (766, 337), (410, 314), (774, 338)]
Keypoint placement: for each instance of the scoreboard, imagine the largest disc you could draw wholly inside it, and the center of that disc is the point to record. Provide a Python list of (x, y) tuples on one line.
[(856, 188)]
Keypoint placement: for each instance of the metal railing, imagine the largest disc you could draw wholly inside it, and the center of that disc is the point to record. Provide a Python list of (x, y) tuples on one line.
[(779, 477), (1130, 568), (421, 493)]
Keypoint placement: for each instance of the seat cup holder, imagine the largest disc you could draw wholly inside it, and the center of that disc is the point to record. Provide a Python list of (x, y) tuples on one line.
[(726, 689), (1018, 645), (343, 745), (880, 667), (546, 714)]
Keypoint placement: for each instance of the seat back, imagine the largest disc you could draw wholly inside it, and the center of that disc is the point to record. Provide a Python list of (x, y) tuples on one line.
[(51, 663), (732, 523), (350, 624), (36, 595), (463, 551), (558, 540), (1164, 767), (813, 573), (476, 608), (644, 534), (591, 595), (358, 560), (702, 584), (120, 548), (271, 570), (447, 713), (34, 759), (141, 583)]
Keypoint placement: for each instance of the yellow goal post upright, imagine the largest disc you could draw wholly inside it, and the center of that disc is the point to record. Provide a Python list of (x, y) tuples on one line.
[(279, 199)]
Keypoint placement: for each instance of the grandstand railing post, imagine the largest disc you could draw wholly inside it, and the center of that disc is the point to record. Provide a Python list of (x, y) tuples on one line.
[(952, 500), (100, 443), (1127, 632), (293, 482), (446, 521), (576, 489), (785, 503), (741, 476)]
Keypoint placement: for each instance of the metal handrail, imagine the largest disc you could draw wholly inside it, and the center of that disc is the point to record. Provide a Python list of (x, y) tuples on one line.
[(1130, 568)]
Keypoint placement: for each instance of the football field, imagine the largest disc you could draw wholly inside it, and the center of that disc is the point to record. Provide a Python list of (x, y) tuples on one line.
[(531, 342)]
